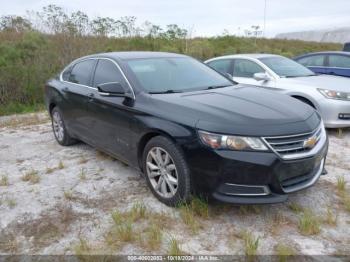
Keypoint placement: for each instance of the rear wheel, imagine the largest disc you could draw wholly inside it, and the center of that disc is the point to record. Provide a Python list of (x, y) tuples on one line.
[(59, 128), (166, 171)]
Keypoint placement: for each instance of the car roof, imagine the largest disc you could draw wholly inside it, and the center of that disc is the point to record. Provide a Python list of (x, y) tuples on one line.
[(135, 55), (325, 53), (254, 56)]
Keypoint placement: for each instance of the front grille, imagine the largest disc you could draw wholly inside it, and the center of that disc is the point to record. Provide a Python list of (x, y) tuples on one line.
[(286, 146)]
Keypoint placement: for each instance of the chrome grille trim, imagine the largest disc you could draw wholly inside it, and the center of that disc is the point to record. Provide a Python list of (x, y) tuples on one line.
[(293, 145), (265, 189)]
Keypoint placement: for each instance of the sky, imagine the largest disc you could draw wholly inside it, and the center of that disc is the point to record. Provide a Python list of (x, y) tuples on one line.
[(208, 17)]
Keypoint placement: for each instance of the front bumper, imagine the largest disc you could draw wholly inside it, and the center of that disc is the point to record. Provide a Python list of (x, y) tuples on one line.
[(252, 177), (331, 111)]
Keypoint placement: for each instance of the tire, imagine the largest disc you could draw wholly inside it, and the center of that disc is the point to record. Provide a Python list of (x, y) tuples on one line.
[(59, 128), (172, 168)]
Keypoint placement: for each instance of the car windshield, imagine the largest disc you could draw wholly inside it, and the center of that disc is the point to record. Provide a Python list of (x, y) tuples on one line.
[(285, 67), (175, 74)]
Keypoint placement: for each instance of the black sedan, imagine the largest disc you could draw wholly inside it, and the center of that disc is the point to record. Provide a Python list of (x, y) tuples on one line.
[(187, 128)]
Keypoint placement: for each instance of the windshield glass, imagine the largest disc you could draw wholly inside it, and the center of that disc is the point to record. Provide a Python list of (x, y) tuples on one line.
[(285, 67), (175, 74)]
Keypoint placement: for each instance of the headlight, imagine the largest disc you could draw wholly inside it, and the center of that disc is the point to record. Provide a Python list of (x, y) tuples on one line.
[(334, 94), (240, 143)]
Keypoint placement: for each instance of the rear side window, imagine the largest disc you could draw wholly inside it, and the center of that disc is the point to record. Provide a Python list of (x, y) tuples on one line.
[(315, 60), (107, 72), (222, 66), (339, 61), (246, 68), (81, 72)]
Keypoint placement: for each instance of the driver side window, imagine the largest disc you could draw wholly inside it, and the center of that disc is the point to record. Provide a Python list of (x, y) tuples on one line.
[(246, 68), (107, 72)]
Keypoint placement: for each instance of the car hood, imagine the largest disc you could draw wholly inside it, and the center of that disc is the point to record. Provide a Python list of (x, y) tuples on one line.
[(240, 110), (336, 83)]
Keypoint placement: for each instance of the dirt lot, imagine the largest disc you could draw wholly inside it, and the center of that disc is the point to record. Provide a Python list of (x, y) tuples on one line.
[(74, 200)]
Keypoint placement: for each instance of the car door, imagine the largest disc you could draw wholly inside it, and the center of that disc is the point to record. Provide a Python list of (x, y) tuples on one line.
[(110, 115), (77, 85), (316, 63), (338, 65), (243, 71)]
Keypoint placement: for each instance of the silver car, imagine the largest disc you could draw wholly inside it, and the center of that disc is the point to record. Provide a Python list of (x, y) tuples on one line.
[(329, 95)]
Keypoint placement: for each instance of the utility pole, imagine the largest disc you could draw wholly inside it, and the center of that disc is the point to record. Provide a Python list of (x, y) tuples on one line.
[(265, 18)]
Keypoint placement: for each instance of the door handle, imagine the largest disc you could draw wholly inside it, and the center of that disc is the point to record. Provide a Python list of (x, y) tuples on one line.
[(65, 89)]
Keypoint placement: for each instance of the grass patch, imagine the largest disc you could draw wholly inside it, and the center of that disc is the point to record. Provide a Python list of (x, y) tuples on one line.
[(330, 218), (174, 248), (11, 203), (188, 217), (308, 223), (60, 165), (4, 181), (31, 177), (283, 251), (19, 108), (83, 160), (68, 195), (50, 170), (191, 213), (295, 207), (82, 174), (249, 209), (341, 184), (123, 233), (117, 217), (138, 211), (200, 207), (251, 244), (82, 248), (153, 238), (345, 200)]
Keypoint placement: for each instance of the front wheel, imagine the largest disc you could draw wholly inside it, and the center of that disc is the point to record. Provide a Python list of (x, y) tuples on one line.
[(166, 171)]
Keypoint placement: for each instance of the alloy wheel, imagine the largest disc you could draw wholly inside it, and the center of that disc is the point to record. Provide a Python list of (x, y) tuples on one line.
[(58, 127), (162, 173)]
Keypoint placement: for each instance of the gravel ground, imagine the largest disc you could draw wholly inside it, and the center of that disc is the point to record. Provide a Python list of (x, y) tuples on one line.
[(59, 200)]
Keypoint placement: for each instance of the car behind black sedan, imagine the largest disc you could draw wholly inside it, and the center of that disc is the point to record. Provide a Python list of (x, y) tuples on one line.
[(187, 128), (330, 62)]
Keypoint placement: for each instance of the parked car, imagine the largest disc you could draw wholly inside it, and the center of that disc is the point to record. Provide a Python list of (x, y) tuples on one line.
[(346, 47), (187, 128), (329, 63), (330, 95)]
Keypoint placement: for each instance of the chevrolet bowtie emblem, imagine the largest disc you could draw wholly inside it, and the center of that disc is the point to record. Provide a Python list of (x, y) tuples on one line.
[(310, 142)]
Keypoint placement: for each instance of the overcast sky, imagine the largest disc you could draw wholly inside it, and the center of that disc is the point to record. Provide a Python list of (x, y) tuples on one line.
[(208, 17)]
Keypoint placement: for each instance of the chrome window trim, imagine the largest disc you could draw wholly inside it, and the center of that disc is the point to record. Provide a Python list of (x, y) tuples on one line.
[(97, 58), (310, 182), (265, 188), (321, 141)]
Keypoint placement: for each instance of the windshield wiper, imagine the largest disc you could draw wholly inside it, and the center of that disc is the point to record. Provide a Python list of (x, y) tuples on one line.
[(298, 76), (217, 86), (170, 91)]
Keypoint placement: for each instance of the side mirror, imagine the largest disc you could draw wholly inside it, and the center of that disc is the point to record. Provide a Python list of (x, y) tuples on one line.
[(111, 89), (261, 77)]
